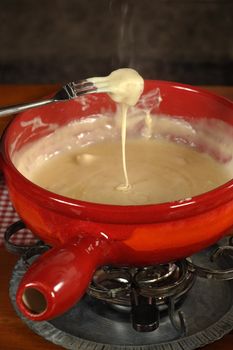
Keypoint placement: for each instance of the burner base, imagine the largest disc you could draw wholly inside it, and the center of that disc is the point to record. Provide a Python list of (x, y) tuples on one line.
[(208, 312)]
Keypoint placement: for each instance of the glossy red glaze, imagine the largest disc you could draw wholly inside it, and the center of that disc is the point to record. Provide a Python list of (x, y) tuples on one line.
[(133, 235), (56, 280)]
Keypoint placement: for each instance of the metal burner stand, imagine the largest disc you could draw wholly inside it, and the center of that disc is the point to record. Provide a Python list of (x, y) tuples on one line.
[(151, 296), (146, 291)]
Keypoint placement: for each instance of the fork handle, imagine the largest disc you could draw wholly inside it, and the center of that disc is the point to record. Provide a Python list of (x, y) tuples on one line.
[(22, 107)]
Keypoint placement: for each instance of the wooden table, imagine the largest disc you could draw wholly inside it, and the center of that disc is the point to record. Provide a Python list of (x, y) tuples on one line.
[(14, 334)]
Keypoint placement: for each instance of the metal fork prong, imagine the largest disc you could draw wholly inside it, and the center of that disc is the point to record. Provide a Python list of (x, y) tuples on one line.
[(100, 83), (85, 84), (82, 83), (82, 87)]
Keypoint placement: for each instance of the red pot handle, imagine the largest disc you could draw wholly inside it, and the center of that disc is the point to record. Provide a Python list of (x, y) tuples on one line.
[(60, 277)]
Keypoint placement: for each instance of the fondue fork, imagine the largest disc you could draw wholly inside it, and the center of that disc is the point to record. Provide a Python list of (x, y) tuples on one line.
[(67, 92)]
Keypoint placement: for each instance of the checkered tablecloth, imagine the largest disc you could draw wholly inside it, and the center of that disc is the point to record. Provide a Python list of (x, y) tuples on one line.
[(8, 216)]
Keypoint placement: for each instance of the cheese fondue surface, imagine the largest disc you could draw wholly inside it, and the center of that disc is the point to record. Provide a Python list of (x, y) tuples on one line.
[(83, 159), (159, 171)]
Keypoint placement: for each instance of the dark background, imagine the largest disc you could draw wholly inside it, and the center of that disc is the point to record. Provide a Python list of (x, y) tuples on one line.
[(51, 41)]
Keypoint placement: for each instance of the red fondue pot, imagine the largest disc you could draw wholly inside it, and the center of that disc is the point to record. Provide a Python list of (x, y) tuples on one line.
[(86, 235)]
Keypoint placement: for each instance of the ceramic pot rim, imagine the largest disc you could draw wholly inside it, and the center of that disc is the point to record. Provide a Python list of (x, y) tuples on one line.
[(116, 213)]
